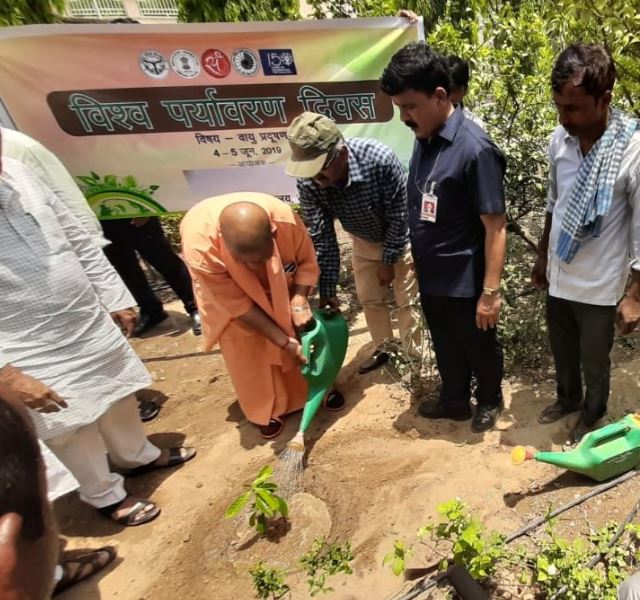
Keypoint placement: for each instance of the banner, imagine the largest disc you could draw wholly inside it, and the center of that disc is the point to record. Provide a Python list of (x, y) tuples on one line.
[(152, 119)]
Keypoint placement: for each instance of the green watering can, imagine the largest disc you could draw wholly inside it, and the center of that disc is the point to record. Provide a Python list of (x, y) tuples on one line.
[(601, 454), (324, 347)]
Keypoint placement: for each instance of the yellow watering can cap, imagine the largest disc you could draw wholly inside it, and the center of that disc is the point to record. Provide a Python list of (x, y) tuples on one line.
[(636, 418)]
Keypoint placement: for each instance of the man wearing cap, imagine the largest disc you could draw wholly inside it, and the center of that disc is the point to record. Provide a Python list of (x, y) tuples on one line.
[(360, 182)]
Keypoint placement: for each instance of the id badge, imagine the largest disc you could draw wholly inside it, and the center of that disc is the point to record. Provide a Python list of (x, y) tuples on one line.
[(429, 207)]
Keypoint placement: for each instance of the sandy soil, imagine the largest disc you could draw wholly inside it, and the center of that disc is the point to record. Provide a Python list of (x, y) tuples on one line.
[(375, 473)]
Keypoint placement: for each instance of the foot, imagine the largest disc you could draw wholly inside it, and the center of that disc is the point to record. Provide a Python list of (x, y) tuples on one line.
[(375, 361), (554, 412), (148, 410), (273, 429), (78, 565), (196, 325), (580, 429), (169, 457), (485, 418), (131, 511), (334, 400), (147, 321), (433, 409)]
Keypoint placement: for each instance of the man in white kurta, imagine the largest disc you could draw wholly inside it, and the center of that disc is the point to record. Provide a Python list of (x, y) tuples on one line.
[(48, 168), (57, 291)]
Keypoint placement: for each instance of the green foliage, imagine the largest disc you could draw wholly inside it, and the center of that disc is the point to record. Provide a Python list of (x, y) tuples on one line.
[(469, 544), (431, 11), (398, 557), (220, 11), (588, 567), (323, 561), (561, 564), (29, 12), (267, 582), (93, 183), (266, 505), (171, 225)]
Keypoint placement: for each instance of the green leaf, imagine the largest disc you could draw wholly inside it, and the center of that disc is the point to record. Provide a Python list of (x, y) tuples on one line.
[(111, 180), (265, 473), (95, 176), (130, 181), (237, 505), (269, 499), (283, 507)]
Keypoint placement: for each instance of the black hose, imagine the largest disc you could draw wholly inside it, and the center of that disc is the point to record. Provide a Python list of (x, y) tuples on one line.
[(428, 583)]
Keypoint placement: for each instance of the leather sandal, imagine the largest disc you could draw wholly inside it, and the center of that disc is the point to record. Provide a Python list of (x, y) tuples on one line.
[(141, 512), (334, 400), (273, 429), (89, 562)]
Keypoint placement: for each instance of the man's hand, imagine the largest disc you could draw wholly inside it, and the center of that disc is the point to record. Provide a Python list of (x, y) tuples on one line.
[(539, 273), (35, 394), (407, 14), (386, 273), (627, 315), (126, 319), (488, 311), (331, 305), (301, 314), (294, 349), (139, 221)]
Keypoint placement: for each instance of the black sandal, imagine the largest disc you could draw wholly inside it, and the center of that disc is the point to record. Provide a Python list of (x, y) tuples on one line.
[(272, 429), (84, 559), (334, 400), (177, 456), (130, 519)]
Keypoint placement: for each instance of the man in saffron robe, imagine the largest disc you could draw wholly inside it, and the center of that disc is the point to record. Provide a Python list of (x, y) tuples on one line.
[(253, 266)]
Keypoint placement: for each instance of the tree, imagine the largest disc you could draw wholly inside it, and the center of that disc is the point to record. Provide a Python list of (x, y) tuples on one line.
[(28, 12), (220, 11), (430, 10)]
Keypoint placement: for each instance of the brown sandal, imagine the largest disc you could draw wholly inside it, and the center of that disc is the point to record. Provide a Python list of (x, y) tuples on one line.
[(89, 563), (140, 513), (273, 429), (554, 412)]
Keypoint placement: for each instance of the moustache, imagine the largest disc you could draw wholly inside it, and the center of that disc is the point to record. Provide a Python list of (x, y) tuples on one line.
[(411, 125)]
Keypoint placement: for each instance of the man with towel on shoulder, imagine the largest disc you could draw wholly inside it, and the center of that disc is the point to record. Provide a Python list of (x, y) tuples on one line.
[(253, 266), (591, 238)]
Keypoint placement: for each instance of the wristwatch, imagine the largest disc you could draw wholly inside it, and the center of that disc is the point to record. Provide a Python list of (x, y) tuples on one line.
[(490, 291)]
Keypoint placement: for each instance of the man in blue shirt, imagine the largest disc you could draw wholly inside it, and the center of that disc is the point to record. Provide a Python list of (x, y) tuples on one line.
[(361, 183), (457, 228)]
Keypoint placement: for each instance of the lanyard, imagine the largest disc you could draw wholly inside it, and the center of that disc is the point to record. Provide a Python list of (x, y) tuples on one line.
[(423, 189)]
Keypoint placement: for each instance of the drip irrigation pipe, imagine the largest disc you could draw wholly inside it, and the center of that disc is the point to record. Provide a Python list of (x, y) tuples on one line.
[(426, 584)]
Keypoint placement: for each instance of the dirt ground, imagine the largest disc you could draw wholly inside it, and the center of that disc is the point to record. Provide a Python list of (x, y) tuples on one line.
[(375, 474)]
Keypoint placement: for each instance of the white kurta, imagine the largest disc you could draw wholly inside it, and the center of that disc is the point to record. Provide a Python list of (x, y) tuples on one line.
[(56, 292), (48, 168)]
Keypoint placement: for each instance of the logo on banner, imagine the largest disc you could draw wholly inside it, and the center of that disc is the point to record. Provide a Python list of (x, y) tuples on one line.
[(278, 62), (216, 63), (185, 64), (245, 62), (154, 64)]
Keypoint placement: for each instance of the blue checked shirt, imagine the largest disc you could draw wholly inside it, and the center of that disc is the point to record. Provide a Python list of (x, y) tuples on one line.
[(372, 206)]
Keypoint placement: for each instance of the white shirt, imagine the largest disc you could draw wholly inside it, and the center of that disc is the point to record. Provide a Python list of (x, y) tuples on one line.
[(47, 167), (599, 271), (56, 292)]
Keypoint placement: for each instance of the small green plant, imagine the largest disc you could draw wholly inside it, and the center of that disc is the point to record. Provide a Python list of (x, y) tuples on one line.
[(266, 505), (325, 560), (93, 182), (398, 557), (268, 583), (469, 544)]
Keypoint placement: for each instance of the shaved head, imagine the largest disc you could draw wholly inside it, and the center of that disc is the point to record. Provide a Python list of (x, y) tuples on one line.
[(246, 229)]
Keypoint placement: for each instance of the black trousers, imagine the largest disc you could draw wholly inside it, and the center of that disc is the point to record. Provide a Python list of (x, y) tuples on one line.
[(581, 337), (150, 241), (463, 350)]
